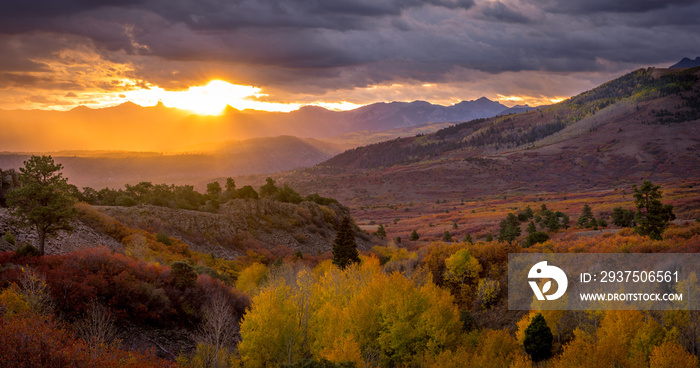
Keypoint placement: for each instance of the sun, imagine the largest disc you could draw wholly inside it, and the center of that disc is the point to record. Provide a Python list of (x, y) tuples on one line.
[(212, 98), (209, 99)]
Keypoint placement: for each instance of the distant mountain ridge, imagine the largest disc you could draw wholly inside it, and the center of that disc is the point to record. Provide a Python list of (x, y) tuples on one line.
[(129, 127), (686, 63), (643, 125)]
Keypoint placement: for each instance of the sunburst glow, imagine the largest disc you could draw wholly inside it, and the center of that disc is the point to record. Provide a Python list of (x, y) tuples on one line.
[(210, 99)]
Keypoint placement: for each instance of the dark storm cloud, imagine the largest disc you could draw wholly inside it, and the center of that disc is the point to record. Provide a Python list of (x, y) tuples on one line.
[(336, 14), (502, 13), (329, 44), (616, 6)]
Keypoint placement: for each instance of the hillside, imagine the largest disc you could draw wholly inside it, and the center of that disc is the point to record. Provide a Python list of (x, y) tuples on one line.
[(266, 226), (641, 125)]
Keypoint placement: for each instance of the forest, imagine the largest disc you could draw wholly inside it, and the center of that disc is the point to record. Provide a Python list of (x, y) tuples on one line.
[(158, 303)]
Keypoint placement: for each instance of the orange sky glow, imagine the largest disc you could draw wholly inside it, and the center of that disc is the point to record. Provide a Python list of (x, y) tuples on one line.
[(213, 97)]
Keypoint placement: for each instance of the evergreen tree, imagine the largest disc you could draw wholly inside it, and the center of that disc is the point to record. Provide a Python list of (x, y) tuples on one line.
[(531, 228), (247, 192), (489, 237), (652, 216), (509, 228), (269, 188), (230, 188), (565, 221), (552, 221), (213, 190), (344, 246), (536, 237), (586, 219), (446, 236), (538, 339), (602, 223), (381, 231), (622, 218), (42, 199), (414, 236), (468, 239)]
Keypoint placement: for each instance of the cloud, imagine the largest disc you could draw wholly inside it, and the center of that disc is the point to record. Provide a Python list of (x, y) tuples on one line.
[(500, 12), (327, 48), (616, 6)]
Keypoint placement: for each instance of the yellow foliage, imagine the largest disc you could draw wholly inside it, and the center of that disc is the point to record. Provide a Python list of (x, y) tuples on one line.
[(13, 300), (344, 349), (671, 355), (270, 333), (461, 265), (358, 314), (251, 279), (624, 339), (497, 348)]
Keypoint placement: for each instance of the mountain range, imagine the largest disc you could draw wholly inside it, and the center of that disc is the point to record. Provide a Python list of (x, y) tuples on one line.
[(131, 127), (128, 143), (686, 63), (643, 125)]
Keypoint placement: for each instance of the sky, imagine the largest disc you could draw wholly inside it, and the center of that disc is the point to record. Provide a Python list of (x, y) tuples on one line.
[(281, 54)]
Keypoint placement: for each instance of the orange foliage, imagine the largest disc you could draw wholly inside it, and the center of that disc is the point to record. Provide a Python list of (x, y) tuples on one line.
[(671, 355), (133, 290)]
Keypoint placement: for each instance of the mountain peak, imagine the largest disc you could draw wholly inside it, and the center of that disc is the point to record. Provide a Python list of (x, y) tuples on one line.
[(686, 63)]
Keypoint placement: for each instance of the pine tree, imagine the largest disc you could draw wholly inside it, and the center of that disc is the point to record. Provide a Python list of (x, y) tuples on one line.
[(230, 188), (42, 200), (509, 228), (652, 216), (344, 246), (531, 228), (538, 339), (586, 219), (622, 218), (381, 231), (446, 236), (414, 236), (468, 239)]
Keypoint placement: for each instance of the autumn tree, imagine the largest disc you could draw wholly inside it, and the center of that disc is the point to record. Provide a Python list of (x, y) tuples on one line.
[(538, 339), (461, 266), (98, 329), (36, 291), (652, 217), (217, 333), (42, 199), (344, 247), (183, 275), (671, 355)]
